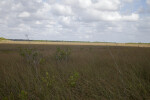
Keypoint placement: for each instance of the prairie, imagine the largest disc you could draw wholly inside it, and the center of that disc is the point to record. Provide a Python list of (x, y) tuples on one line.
[(77, 43), (89, 72)]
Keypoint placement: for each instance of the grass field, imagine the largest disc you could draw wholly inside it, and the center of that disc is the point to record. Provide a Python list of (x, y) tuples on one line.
[(78, 43), (47, 71)]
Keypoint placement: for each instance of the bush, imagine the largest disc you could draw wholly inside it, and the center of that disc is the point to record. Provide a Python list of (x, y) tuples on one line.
[(73, 79), (62, 54), (47, 80), (32, 57), (23, 95), (1, 38)]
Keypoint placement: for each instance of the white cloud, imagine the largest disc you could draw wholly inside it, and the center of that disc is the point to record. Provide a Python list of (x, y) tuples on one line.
[(65, 20), (148, 2), (107, 4), (90, 20), (85, 3), (132, 17), (95, 15), (99, 4), (38, 22), (128, 1), (59, 9), (107, 10), (24, 14)]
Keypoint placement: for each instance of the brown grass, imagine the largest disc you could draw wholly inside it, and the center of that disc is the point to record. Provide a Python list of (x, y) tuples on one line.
[(77, 43), (99, 78)]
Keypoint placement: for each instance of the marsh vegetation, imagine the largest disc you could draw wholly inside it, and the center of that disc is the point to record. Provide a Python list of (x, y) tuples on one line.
[(74, 72)]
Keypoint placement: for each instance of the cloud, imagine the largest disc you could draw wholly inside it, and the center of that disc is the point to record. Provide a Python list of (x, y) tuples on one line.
[(132, 17), (110, 16), (148, 2), (59, 9), (99, 4), (106, 4), (87, 20), (24, 14), (129, 1), (97, 10)]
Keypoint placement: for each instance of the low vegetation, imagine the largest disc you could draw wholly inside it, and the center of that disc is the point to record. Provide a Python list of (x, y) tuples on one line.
[(50, 72), (62, 54), (1, 38)]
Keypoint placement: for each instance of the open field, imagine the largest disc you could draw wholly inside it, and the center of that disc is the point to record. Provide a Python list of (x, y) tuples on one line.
[(77, 43), (74, 71)]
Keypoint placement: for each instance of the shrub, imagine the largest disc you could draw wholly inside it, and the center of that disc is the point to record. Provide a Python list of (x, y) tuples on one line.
[(32, 57), (23, 95), (62, 54), (47, 80), (73, 79), (9, 97), (1, 38)]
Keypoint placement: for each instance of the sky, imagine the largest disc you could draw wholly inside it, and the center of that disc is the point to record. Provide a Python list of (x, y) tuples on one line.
[(76, 20)]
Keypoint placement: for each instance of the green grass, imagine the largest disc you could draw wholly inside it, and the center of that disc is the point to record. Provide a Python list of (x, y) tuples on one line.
[(90, 73)]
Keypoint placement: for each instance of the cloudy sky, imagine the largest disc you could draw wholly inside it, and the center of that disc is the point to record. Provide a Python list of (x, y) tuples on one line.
[(76, 20)]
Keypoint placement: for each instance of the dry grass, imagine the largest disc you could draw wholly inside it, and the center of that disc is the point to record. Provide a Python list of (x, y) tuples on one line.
[(98, 77), (77, 43)]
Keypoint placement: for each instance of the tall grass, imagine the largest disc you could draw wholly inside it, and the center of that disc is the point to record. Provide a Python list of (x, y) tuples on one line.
[(89, 74)]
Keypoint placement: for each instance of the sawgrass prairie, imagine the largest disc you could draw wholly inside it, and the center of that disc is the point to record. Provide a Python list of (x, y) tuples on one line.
[(92, 71)]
